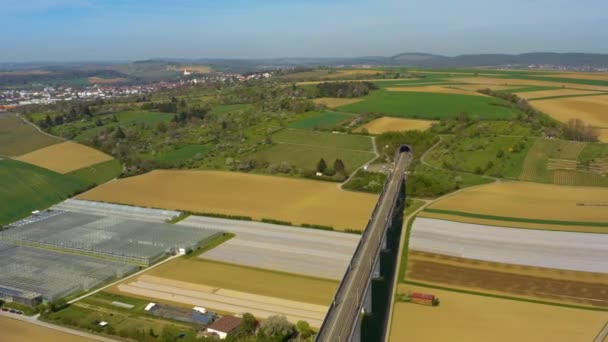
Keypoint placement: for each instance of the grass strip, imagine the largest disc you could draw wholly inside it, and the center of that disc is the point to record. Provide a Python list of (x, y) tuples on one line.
[(210, 244), (475, 293), (517, 219)]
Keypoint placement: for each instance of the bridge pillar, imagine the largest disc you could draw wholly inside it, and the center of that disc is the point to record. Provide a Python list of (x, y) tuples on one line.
[(376, 270), (367, 301)]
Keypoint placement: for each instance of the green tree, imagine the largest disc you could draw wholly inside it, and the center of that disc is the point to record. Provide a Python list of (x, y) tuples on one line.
[(304, 330), (277, 328), (322, 166), (248, 325), (339, 167), (119, 134)]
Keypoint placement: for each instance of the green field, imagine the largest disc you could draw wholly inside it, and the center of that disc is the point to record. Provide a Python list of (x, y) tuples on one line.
[(25, 187), (88, 130), (324, 120), (183, 153), (323, 139), (566, 163), (432, 105), (99, 173), (501, 156), (304, 148), (17, 137)]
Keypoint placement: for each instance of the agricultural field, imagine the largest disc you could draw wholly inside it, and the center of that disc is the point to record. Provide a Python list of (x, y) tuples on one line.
[(98, 173), (479, 319), (83, 131), (304, 149), (323, 120), (183, 153), (557, 161), (15, 330), (333, 102), (293, 200), (18, 137), (388, 124), (527, 81), (311, 252), (531, 202), (222, 299), (353, 73), (432, 105), (477, 87), (25, 187), (436, 89), (501, 156), (590, 109), (532, 95), (65, 157)]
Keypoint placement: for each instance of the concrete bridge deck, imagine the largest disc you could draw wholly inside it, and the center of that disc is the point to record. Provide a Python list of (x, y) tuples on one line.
[(343, 320)]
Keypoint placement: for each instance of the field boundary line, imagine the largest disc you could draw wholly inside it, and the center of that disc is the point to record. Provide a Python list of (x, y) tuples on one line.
[(39, 129), (352, 175)]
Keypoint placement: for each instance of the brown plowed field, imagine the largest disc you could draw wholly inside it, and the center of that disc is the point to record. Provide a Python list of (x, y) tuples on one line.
[(573, 287), (386, 124)]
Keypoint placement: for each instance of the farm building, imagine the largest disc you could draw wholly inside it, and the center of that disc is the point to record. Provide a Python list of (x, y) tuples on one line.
[(11, 294), (223, 326), (423, 298)]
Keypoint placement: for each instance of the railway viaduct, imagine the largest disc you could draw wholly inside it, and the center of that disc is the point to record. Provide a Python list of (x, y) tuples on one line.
[(360, 307)]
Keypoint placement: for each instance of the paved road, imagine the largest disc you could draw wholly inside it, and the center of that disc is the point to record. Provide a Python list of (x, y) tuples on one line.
[(341, 319), (305, 251)]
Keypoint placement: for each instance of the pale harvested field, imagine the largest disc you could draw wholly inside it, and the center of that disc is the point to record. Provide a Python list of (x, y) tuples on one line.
[(65, 157), (476, 87), (247, 279), (294, 200), (435, 89), (531, 200), (527, 225), (387, 124), (224, 300), (14, 330), (585, 252), (354, 72), (556, 92), (199, 69), (520, 82), (591, 109), (333, 102), (604, 135), (462, 317)]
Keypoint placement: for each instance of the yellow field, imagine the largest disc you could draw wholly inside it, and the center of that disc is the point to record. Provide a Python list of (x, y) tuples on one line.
[(246, 279), (295, 200), (386, 124), (197, 69), (590, 109), (333, 102), (462, 317), (582, 76), (555, 92), (515, 81), (354, 72), (531, 200), (476, 87), (435, 89), (527, 225), (65, 157), (604, 135), (14, 330)]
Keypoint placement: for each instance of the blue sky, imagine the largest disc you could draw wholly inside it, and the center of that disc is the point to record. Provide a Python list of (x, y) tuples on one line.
[(77, 30)]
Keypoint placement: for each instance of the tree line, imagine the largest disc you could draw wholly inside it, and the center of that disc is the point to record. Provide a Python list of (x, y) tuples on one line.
[(345, 89)]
